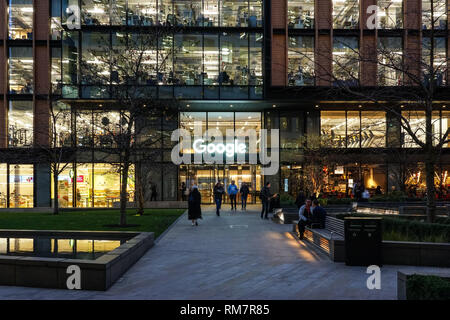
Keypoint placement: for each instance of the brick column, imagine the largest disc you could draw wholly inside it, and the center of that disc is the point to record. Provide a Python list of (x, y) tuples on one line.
[(42, 80), (412, 40), (323, 42), (279, 43)]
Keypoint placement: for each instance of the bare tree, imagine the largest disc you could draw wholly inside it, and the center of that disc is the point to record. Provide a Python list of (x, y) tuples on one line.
[(130, 69), (409, 84)]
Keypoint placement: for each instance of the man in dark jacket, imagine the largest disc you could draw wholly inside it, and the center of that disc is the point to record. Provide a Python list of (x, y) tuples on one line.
[(194, 206), (265, 197), (318, 215), (218, 196), (244, 195)]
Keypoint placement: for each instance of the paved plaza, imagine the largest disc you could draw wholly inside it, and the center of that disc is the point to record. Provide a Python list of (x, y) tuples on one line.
[(235, 256)]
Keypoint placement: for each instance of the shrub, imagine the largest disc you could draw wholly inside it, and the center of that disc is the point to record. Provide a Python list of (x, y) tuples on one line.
[(419, 287), (287, 199), (340, 201)]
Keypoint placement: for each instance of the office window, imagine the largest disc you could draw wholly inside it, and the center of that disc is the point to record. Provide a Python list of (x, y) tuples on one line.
[(434, 13), (95, 68), (234, 59), (353, 129), (70, 51), (221, 121), (84, 185), (248, 121), (95, 12), (65, 186), (62, 117), (20, 124), (255, 15), (390, 53), (165, 74), (345, 14), (188, 59), (188, 12), (445, 123), (188, 121), (390, 14), (301, 61), (234, 13), (56, 70), (108, 125), (438, 69), (346, 60), (333, 129), (56, 26), (256, 74), (291, 130), (21, 186), (20, 19), (84, 128), (210, 13), (373, 129), (20, 70), (417, 122), (211, 60), (142, 13), (301, 14), (165, 15), (3, 185), (118, 12)]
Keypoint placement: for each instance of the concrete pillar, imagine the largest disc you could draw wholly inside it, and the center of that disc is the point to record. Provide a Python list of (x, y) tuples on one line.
[(42, 185)]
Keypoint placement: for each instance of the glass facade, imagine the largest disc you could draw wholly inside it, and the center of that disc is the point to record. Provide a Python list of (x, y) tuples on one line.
[(21, 186), (353, 129), (346, 60), (390, 14), (437, 69), (301, 61), (301, 14), (20, 70), (20, 124), (434, 13), (390, 54), (345, 14), (20, 19)]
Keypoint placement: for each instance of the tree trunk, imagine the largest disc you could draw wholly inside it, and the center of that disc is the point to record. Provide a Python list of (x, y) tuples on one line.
[(55, 192), (123, 195), (431, 192), (140, 191)]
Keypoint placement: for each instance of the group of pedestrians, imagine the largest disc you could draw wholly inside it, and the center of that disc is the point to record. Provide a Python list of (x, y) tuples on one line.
[(232, 191)]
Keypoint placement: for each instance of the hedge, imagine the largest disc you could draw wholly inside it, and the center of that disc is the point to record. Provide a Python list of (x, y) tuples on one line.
[(420, 287), (399, 229)]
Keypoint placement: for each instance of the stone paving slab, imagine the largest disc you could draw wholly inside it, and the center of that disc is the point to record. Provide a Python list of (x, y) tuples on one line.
[(235, 256)]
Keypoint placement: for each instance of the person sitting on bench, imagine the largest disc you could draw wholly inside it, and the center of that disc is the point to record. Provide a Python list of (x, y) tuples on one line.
[(318, 215), (304, 218)]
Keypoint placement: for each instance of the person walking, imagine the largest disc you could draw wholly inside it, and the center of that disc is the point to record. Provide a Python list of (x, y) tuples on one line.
[(265, 197), (218, 196), (232, 192), (244, 195), (194, 205)]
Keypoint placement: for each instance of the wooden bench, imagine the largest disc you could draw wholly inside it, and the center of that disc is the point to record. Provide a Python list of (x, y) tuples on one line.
[(330, 239)]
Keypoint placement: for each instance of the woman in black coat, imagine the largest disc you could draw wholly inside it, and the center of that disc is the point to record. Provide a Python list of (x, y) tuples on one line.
[(194, 208)]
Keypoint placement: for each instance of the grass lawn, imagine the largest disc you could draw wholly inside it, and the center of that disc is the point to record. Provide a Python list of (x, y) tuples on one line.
[(154, 220)]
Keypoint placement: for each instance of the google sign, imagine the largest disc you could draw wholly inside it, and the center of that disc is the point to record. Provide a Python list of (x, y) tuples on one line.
[(229, 149)]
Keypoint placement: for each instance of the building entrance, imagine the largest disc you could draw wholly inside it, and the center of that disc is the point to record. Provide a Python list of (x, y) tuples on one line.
[(206, 176)]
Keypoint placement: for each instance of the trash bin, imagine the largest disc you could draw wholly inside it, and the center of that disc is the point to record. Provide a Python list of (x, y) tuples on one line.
[(363, 241)]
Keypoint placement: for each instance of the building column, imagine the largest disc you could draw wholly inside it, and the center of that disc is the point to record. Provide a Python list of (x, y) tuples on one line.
[(323, 42), (412, 40), (3, 77), (368, 47), (279, 42), (42, 185)]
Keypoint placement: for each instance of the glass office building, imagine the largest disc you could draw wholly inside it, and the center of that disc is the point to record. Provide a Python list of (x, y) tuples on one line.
[(242, 64)]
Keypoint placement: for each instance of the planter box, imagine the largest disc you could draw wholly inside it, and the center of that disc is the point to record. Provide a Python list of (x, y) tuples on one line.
[(402, 278)]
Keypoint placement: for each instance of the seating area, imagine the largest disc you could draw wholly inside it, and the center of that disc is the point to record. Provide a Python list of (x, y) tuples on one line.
[(330, 240)]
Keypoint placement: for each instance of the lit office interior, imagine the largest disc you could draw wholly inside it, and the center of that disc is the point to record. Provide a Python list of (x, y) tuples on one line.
[(17, 190), (196, 13), (301, 61), (440, 61), (301, 14), (20, 19), (20, 70), (20, 124), (345, 14), (390, 14), (436, 17), (86, 185), (346, 59), (353, 129), (390, 52)]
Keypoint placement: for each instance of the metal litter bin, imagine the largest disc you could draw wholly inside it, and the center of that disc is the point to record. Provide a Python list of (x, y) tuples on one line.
[(363, 240)]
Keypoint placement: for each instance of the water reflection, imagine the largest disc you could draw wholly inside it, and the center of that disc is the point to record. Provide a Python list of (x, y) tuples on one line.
[(57, 248)]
